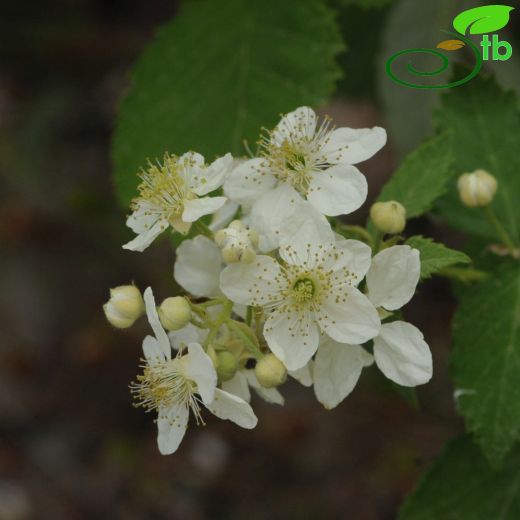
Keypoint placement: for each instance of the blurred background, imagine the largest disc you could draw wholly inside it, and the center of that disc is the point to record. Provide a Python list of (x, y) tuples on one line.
[(71, 444)]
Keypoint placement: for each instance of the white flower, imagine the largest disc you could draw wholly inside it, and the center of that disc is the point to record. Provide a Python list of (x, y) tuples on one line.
[(400, 351), (336, 370), (174, 386), (172, 194), (317, 161), (312, 289)]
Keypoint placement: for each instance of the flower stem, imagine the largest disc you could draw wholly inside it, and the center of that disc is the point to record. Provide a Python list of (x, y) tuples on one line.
[(222, 318), (502, 233), (250, 344), (203, 229)]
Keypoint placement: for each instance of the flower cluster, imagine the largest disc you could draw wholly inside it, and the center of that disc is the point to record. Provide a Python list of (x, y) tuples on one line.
[(276, 285)]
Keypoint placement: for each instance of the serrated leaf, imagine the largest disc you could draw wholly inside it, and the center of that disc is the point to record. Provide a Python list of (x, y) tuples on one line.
[(422, 177), (451, 45), (482, 20), (485, 361), (217, 73), (435, 256), (486, 121), (460, 485)]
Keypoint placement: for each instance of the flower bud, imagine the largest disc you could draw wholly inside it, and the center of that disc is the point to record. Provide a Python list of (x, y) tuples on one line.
[(237, 243), (477, 189), (174, 313), (270, 371), (226, 365), (388, 217), (124, 307)]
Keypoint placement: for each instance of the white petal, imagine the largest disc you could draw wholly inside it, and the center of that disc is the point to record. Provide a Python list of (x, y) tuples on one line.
[(393, 277), (210, 178), (152, 350), (199, 368), (303, 375), (196, 208), (293, 338), (238, 385), (402, 354), (230, 407), (188, 334), (270, 395), (191, 160), (197, 267), (271, 211), (144, 217), (305, 237), (301, 123), (339, 190), (353, 255), (248, 181), (251, 284), (349, 317), (171, 426), (351, 146), (153, 318), (222, 217), (336, 371), (144, 239)]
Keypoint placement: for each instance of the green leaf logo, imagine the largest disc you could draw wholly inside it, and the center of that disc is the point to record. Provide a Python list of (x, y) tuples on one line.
[(481, 20)]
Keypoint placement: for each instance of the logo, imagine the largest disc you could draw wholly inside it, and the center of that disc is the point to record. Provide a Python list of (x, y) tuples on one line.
[(478, 21)]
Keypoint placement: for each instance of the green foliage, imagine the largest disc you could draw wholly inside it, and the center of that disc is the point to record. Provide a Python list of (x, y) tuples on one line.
[(364, 46), (435, 256), (366, 4), (485, 121), (486, 361), (461, 486), (422, 177), (481, 20), (217, 73)]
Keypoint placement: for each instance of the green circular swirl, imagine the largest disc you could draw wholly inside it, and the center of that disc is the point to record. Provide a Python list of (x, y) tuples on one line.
[(444, 65)]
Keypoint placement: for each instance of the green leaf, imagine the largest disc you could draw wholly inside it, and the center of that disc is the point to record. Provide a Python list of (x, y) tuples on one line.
[(435, 256), (485, 361), (481, 20), (461, 486), (217, 73), (422, 177), (486, 123)]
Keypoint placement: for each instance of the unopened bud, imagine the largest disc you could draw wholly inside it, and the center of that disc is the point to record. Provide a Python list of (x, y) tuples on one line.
[(226, 365), (174, 313), (237, 243), (232, 255), (270, 371), (388, 217), (477, 189), (124, 307)]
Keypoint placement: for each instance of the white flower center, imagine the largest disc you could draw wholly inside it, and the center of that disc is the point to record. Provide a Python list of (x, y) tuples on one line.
[(303, 290), (164, 384)]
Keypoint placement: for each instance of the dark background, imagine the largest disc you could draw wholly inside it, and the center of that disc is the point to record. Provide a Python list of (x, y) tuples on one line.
[(71, 444)]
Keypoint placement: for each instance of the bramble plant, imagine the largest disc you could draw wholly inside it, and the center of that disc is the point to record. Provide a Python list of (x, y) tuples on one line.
[(278, 283)]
